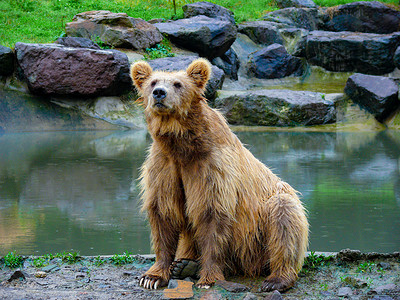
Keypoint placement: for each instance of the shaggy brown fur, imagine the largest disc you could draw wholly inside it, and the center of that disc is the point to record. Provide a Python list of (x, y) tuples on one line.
[(207, 197)]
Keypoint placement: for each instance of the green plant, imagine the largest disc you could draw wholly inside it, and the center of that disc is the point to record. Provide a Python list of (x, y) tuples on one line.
[(48, 256), (40, 262), (13, 260), (99, 42), (324, 286), (381, 271), (123, 259), (365, 267), (313, 261), (69, 257), (161, 50), (98, 261)]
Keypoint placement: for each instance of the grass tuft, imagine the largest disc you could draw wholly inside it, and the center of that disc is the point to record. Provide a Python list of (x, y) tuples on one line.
[(12, 260), (123, 259)]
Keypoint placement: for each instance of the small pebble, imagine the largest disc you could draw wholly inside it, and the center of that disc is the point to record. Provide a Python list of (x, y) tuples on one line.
[(40, 274), (345, 291)]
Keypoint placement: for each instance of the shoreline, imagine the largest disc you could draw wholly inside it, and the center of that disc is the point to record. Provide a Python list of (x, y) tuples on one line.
[(325, 275)]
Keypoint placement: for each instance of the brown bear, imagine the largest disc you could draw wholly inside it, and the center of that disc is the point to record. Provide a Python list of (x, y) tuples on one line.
[(207, 197)]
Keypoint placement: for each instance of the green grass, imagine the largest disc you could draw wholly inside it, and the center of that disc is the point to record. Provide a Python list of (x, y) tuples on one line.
[(13, 260), (43, 21), (161, 50), (69, 257), (314, 261), (123, 259)]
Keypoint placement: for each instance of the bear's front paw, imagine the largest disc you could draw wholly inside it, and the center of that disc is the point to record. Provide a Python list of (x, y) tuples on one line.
[(152, 282), (276, 283)]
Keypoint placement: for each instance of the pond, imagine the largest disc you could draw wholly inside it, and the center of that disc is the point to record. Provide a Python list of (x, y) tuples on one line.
[(77, 191)]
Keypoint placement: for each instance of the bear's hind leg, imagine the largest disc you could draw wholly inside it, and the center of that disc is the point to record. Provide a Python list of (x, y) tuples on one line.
[(287, 229), (186, 262)]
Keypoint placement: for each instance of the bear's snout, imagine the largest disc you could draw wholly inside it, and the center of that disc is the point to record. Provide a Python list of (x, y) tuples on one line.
[(159, 94)]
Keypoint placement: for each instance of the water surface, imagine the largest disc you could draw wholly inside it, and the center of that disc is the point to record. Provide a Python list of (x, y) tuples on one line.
[(78, 191)]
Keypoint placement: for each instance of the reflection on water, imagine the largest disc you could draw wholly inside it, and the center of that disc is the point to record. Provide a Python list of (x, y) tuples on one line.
[(78, 190)]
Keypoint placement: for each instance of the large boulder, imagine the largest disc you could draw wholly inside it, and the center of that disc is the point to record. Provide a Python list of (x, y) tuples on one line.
[(181, 63), (229, 63), (274, 62), (364, 16), (58, 70), (307, 18), (294, 40), (77, 42), (263, 32), (210, 37), (6, 61), (295, 3), (114, 29), (207, 9), (345, 51), (277, 107), (377, 94), (396, 58)]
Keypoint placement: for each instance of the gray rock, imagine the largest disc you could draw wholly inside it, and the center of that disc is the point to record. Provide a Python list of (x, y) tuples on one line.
[(232, 287), (277, 107), (363, 16), (17, 275), (396, 57), (295, 3), (295, 40), (181, 63), (173, 284), (383, 289), (382, 297), (345, 292), (307, 18), (275, 295), (345, 51), (262, 32), (274, 62), (384, 266), (80, 275), (377, 94), (6, 61), (77, 42), (355, 282), (50, 268), (348, 255), (210, 37), (207, 9), (250, 296), (229, 63), (114, 29), (58, 70)]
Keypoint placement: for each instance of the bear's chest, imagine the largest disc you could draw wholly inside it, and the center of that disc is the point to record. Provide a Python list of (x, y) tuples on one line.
[(185, 150)]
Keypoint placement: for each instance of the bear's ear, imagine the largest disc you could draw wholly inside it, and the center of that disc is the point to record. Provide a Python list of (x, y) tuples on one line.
[(140, 72), (200, 71)]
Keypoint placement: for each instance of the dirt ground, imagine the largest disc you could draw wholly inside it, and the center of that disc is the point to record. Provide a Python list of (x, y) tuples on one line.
[(348, 274)]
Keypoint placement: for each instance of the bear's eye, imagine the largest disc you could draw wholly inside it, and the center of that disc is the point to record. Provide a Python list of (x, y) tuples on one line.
[(178, 85), (153, 83)]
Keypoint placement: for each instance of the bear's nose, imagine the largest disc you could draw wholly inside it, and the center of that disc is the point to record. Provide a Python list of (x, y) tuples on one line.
[(159, 94)]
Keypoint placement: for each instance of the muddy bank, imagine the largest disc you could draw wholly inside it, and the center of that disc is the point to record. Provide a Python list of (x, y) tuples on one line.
[(347, 274)]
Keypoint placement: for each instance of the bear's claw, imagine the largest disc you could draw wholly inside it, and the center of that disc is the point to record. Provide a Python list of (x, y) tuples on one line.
[(150, 282), (273, 284), (203, 286)]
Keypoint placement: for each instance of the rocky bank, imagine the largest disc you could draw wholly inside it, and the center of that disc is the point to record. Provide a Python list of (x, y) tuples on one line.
[(348, 274), (285, 50)]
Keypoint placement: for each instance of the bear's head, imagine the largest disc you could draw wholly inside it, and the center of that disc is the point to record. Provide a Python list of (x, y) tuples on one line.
[(168, 93)]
